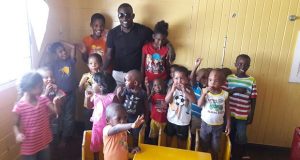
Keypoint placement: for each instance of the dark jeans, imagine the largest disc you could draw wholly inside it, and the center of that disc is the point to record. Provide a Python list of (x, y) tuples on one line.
[(210, 137), (41, 155)]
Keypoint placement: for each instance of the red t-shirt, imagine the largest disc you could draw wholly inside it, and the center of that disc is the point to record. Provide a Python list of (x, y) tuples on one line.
[(34, 124), (159, 108), (155, 62)]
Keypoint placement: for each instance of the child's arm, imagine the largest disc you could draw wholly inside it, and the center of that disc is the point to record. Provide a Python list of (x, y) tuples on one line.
[(88, 98), (119, 94), (252, 109), (84, 54), (107, 57), (196, 66), (20, 137), (228, 118), (82, 82), (201, 101), (169, 96), (72, 49), (171, 53), (124, 127), (189, 94)]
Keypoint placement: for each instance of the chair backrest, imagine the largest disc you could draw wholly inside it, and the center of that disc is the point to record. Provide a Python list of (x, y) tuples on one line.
[(85, 149), (225, 150)]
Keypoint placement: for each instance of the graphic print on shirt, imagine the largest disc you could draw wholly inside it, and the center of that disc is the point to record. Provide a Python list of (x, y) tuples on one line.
[(65, 71), (123, 141), (97, 49), (130, 103), (161, 106), (154, 63), (216, 105)]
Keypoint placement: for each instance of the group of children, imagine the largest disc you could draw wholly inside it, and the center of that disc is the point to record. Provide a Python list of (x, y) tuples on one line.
[(162, 96)]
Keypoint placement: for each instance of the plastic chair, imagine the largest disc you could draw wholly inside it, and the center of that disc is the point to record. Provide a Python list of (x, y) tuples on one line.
[(162, 138), (87, 154)]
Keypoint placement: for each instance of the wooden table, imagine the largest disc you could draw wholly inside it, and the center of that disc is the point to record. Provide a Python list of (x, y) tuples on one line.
[(151, 152)]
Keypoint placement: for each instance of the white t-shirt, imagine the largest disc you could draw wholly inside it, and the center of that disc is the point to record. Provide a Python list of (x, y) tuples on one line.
[(179, 111), (214, 109)]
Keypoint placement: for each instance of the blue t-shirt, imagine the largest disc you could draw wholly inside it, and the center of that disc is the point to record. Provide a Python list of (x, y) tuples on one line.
[(64, 74), (196, 110)]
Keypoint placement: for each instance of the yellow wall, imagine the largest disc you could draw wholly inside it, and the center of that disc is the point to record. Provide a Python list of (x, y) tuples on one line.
[(197, 28)]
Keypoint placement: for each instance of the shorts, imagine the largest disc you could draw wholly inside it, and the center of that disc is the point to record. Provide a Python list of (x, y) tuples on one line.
[(155, 127), (195, 124), (180, 131)]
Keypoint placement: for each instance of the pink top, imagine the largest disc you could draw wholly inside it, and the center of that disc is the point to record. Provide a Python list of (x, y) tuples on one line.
[(34, 124), (99, 119), (115, 146)]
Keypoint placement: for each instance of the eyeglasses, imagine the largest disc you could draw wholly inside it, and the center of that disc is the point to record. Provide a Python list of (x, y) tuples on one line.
[(126, 15)]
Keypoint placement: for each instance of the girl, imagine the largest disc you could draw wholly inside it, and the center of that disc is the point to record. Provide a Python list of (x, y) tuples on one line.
[(157, 55), (94, 64), (32, 128), (103, 96)]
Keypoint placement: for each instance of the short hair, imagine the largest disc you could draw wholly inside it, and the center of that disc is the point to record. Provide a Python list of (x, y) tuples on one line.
[(219, 72), (183, 70), (226, 71), (245, 56), (55, 46), (28, 81), (136, 74), (97, 56), (125, 5), (174, 66), (161, 27), (97, 16), (107, 82), (112, 109)]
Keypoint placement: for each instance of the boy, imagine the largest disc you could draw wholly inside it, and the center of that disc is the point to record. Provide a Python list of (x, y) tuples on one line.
[(63, 69), (115, 135), (214, 103), (134, 99), (242, 101), (179, 96)]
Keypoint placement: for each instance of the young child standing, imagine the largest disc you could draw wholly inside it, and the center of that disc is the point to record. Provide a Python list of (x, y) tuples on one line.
[(134, 99), (32, 128), (63, 69), (86, 82), (214, 103), (103, 96), (53, 93), (156, 59), (242, 101), (96, 42), (159, 107), (170, 80), (198, 81), (179, 96), (115, 135)]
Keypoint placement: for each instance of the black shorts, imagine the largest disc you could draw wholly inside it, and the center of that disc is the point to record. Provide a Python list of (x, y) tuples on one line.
[(180, 131)]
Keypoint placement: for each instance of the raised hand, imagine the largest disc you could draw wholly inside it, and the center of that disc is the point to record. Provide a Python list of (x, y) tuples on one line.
[(139, 121), (20, 137), (198, 62)]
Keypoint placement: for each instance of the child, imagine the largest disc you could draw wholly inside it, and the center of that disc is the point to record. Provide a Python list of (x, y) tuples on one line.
[(214, 103), (242, 101), (179, 96), (32, 128), (198, 81), (114, 133), (172, 69), (134, 99), (53, 94), (103, 89), (156, 60), (158, 107), (226, 72), (96, 42), (94, 64), (63, 69)]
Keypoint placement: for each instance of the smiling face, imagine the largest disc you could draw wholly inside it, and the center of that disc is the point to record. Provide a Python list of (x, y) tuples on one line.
[(126, 16), (61, 53), (242, 64), (158, 86), (98, 27)]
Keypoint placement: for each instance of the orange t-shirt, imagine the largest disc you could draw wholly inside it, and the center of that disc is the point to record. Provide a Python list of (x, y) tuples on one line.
[(96, 45), (115, 147)]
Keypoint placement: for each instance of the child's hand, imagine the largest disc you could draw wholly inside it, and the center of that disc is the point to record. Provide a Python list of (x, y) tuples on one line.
[(240, 90), (88, 93), (20, 137), (206, 90), (198, 61), (227, 129), (139, 120), (120, 90), (147, 82), (135, 150), (50, 88), (81, 47), (57, 101)]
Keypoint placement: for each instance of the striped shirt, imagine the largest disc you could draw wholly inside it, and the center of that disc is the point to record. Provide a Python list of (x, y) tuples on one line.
[(240, 104), (34, 124)]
